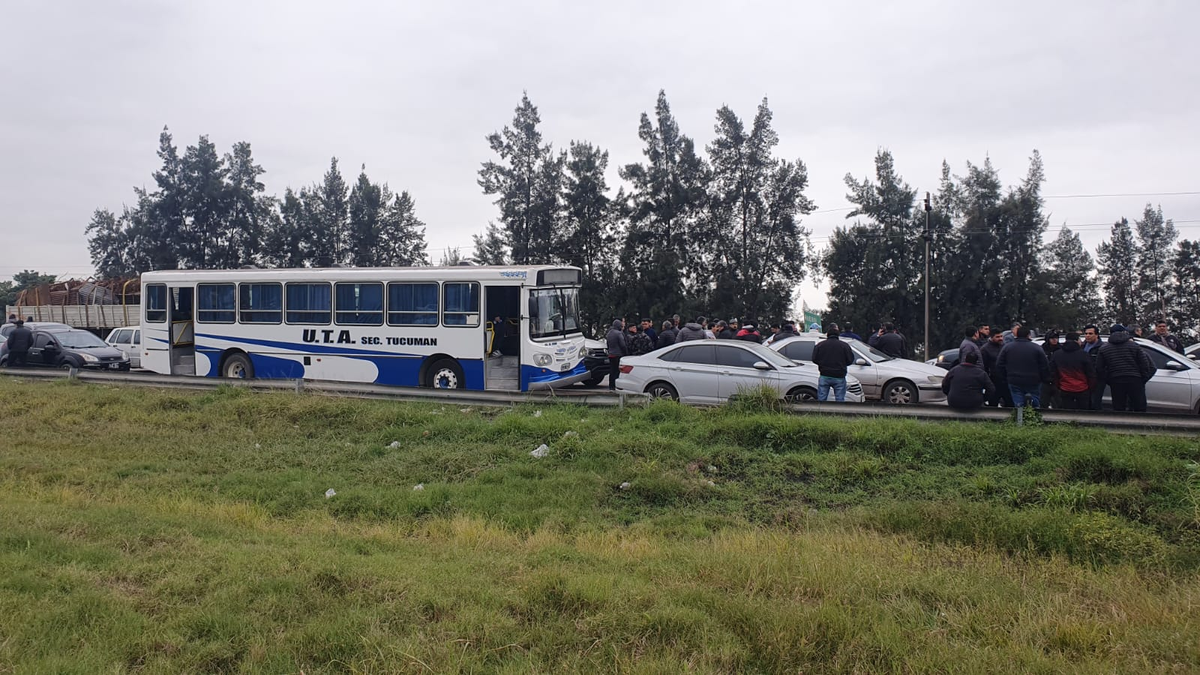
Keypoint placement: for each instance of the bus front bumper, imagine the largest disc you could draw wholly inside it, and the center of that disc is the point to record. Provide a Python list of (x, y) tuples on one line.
[(541, 378)]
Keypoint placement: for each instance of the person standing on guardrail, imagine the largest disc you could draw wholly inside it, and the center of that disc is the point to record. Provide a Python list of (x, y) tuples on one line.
[(832, 357), (1074, 374), (1126, 368), (1162, 337), (616, 349), (967, 386), (18, 343), (1025, 367)]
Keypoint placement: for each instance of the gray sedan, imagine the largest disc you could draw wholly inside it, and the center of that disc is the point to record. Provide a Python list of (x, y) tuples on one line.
[(883, 377)]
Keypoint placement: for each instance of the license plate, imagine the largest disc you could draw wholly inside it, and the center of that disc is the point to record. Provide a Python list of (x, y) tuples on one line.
[(114, 366)]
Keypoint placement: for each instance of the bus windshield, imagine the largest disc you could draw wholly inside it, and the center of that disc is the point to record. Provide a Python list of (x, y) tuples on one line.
[(553, 311)]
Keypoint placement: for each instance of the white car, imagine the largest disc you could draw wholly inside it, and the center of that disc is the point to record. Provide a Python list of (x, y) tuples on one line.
[(1193, 352), (711, 371), (883, 377), (129, 341)]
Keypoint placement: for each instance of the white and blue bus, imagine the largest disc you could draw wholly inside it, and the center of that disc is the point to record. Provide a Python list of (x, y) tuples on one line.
[(472, 327)]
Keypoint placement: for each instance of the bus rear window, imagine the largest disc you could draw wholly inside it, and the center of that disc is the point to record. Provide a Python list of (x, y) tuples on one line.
[(260, 303), (309, 303), (460, 303), (156, 303), (360, 304), (413, 304), (215, 303)]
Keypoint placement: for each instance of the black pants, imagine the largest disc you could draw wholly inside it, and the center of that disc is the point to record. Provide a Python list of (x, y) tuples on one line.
[(1000, 395), (1128, 392), (16, 358), (1098, 397), (614, 370), (1075, 400)]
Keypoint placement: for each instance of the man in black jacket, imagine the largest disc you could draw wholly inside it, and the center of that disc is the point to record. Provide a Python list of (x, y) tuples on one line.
[(966, 385), (1025, 367), (991, 353), (19, 342), (832, 357), (667, 336), (1091, 347), (892, 343), (1162, 337), (1126, 367), (617, 347)]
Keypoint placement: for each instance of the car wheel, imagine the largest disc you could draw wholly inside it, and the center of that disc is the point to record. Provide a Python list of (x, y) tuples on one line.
[(801, 395), (901, 392), (445, 374), (662, 390), (237, 366), (594, 381), (66, 365)]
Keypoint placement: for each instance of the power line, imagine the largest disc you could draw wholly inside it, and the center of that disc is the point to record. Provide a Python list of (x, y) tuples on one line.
[(1123, 194)]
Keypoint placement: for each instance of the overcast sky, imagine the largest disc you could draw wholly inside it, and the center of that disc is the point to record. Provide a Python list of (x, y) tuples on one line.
[(1107, 91)]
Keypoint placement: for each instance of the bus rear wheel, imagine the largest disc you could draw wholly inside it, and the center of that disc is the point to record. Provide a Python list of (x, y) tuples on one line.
[(237, 366), (445, 374)]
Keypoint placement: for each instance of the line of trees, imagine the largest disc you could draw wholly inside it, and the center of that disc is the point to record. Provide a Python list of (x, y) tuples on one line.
[(208, 211), (990, 263)]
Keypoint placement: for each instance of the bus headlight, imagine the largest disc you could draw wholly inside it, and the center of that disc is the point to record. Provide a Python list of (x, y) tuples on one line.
[(582, 351), (542, 360)]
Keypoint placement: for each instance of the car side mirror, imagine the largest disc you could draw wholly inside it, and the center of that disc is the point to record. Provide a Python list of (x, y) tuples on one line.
[(762, 365), (860, 362), (1193, 356), (1174, 365)]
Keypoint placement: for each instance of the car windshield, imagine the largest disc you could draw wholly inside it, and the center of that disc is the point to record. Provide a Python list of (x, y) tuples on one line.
[(772, 357), (870, 352), (79, 339), (553, 311)]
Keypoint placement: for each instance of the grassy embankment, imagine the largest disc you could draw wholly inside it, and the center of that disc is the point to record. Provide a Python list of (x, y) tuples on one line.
[(190, 532)]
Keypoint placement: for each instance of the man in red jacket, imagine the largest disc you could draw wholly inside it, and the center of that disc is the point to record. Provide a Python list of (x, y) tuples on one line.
[(1073, 374)]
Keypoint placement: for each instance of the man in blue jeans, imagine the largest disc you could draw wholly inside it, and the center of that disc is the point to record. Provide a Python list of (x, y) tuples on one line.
[(1025, 367), (832, 357)]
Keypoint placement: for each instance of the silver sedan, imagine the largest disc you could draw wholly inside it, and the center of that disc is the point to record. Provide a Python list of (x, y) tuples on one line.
[(883, 377)]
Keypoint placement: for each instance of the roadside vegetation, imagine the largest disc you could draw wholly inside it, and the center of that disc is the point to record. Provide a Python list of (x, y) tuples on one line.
[(173, 531)]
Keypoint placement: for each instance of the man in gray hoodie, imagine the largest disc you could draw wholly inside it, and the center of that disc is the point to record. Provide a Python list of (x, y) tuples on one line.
[(692, 331), (617, 347)]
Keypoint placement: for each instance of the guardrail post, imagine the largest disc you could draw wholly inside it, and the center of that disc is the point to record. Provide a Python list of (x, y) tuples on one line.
[(73, 373), (299, 385), (1021, 416), (620, 399)]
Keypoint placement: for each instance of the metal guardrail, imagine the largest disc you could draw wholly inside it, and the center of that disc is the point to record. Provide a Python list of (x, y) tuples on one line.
[(1129, 423)]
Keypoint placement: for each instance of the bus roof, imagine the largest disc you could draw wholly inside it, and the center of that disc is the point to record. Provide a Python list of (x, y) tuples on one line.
[(516, 275)]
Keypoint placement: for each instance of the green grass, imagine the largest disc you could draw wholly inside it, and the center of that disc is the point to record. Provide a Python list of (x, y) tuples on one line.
[(180, 532)]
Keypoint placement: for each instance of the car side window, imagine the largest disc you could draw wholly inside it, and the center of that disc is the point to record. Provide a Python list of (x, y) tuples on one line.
[(728, 355), (122, 337), (702, 354), (799, 350), (137, 337), (42, 340), (1159, 359)]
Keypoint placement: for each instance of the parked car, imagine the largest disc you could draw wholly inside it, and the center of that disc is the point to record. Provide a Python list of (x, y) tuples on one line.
[(1175, 386), (711, 371), (883, 377), (946, 359), (1193, 352), (68, 347), (596, 361), (129, 341)]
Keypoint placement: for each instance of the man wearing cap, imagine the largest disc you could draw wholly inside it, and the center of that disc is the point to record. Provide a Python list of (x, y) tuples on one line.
[(832, 357), (1162, 337), (1126, 368)]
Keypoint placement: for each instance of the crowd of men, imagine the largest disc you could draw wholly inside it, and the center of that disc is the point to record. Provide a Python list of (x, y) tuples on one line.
[(1009, 369)]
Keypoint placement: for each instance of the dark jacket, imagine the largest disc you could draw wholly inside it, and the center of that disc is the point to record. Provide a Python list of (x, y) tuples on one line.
[(991, 354), (1122, 359), (832, 356), (20, 339), (892, 344), (640, 343), (690, 331), (1072, 369), (667, 337), (1050, 349), (616, 340), (749, 335), (725, 333), (784, 334), (850, 336), (1023, 363), (968, 345), (1169, 341), (653, 334), (965, 386)]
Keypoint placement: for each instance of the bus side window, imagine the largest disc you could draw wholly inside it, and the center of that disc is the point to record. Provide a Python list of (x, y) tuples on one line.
[(156, 303), (460, 303)]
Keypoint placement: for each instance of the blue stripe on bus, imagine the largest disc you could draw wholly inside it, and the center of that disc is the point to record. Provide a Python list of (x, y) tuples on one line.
[(533, 375)]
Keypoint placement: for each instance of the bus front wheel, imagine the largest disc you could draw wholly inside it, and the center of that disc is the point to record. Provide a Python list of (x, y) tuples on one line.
[(445, 374), (237, 366)]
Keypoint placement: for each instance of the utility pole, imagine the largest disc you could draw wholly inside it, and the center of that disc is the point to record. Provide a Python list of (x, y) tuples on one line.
[(927, 237)]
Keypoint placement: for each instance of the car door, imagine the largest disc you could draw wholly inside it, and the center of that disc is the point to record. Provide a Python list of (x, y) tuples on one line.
[(135, 349), (738, 374), (867, 372), (1170, 388), (693, 373), (120, 340), (44, 351)]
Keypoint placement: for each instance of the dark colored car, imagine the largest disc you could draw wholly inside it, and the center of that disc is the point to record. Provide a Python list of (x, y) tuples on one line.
[(945, 359), (596, 362), (60, 346)]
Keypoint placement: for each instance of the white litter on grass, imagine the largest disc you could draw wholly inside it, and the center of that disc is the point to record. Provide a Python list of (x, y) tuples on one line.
[(710, 483), (418, 487), (710, 468), (625, 485), (329, 493), (464, 410), (394, 444), (571, 434), (537, 413), (540, 451), (258, 446)]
